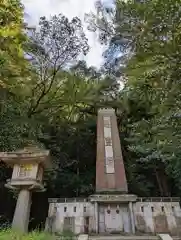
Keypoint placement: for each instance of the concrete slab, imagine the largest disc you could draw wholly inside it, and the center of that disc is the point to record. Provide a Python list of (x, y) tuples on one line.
[(83, 237), (165, 237)]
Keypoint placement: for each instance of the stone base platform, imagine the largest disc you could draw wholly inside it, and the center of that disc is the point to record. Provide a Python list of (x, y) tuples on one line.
[(115, 214), (133, 237)]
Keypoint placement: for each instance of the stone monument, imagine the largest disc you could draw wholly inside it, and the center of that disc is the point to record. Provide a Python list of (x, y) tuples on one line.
[(112, 209), (110, 172), (111, 183), (28, 166)]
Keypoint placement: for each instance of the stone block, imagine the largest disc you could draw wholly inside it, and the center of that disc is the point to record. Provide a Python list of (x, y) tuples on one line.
[(165, 237)]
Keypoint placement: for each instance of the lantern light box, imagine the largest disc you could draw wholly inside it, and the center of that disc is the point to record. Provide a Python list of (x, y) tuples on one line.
[(28, 167)]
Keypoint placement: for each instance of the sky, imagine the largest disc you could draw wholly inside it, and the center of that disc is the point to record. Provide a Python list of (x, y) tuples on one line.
[(70, 8)]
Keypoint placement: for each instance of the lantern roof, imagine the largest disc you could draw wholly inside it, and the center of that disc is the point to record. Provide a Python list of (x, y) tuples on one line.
[(29, 154)]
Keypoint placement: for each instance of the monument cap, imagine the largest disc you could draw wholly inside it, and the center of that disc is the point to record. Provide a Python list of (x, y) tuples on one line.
[(106, 111)]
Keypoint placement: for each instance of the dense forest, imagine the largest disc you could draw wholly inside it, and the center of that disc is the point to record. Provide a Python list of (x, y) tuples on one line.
[(50, 98)]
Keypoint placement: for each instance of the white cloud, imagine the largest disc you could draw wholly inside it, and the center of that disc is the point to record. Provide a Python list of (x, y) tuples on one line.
[(70, 8)]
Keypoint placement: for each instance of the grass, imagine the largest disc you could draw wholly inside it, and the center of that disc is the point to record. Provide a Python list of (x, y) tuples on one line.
[(8, 234), (11, 235)]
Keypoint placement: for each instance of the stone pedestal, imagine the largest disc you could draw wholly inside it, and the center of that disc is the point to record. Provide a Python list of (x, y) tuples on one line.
[(114, 213), (22, 211)]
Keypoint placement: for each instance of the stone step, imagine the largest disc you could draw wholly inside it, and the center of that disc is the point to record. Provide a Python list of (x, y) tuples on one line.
[(120, 237), (134, 237), (117, 237)]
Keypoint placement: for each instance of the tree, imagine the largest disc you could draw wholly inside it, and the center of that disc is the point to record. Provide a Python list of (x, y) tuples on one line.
[(13, 66), (53, 48), (152, 71)]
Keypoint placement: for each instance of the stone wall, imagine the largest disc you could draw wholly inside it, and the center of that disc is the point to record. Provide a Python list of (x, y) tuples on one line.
[(82, 216), (157, 217), (77, 216)]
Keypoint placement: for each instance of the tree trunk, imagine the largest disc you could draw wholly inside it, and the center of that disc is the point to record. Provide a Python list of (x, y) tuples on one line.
[(158, 181), (162, 182)]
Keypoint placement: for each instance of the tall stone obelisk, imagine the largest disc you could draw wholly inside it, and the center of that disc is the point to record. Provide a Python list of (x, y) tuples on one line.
[(112, 203), (110, 171)]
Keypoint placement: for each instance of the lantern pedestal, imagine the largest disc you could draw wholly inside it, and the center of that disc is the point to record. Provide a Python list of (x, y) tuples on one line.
[(22, 211)]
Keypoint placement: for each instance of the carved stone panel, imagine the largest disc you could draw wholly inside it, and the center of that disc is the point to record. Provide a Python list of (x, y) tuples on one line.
[(107, 122), (109, 159), (108, 141), (25, 170), (110, 164)]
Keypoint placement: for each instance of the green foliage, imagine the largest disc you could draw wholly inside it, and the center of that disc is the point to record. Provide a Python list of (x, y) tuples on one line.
[(152, 92), (12, 39), (9, 234), (16, 128), (34, 235)]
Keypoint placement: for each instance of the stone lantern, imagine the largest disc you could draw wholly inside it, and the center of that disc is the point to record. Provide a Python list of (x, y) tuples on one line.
[(28, 166)]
